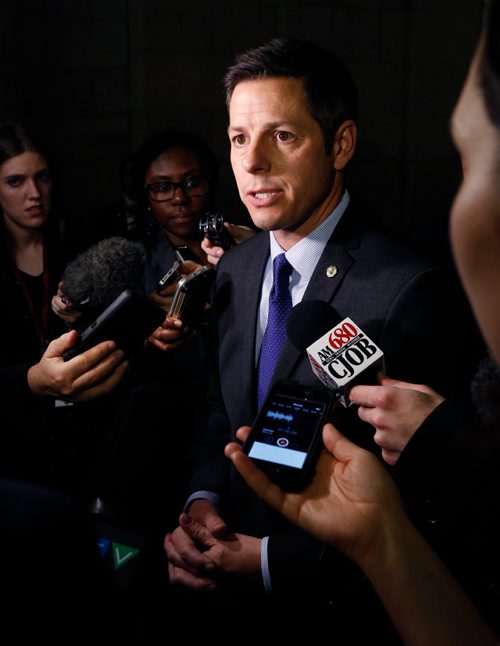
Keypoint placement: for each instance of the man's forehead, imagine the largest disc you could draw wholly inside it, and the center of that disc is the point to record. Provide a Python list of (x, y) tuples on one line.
[(282, 97)]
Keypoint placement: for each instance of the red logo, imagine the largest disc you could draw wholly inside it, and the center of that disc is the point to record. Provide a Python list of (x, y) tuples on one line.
[(340, 335)]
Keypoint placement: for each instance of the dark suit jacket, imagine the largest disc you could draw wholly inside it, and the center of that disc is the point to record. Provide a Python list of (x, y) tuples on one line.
[(397, 298), (453, 458)]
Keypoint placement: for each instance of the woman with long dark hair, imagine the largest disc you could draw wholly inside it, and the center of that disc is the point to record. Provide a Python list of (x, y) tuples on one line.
[(46, 437), (30, 236)]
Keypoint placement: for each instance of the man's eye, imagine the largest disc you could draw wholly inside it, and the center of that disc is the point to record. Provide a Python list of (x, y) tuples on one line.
[(239, 140), (162, 187), (283, 135), (15, 181)]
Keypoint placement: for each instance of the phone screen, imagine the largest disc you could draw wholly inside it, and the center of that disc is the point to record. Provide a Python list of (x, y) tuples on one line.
[(285, 430)]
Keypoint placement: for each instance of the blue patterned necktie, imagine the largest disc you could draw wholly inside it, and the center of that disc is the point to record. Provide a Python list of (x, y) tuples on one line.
[(280, 304)]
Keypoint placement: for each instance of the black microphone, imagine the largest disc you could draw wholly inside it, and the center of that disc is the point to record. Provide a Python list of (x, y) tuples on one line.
[(310, 320), (105, 283), (96, 277), (212, 226), (339, 352)]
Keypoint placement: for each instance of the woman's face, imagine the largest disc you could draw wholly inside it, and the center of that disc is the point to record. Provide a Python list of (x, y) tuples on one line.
[(180, 215), (475, 214), (25, 191)]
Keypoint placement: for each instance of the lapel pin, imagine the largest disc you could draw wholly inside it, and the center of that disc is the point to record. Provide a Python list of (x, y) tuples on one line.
[(331, 271)]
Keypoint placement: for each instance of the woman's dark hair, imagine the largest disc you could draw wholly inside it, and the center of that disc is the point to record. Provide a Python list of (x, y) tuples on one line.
[(17, 138), (490, 65), (330, 91), (159, 143)]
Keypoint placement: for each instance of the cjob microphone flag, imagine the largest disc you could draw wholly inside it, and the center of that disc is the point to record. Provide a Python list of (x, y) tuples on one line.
[(340, 356), (339, 352)]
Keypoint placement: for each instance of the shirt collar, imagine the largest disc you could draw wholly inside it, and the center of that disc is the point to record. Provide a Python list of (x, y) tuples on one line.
[(304, 255)]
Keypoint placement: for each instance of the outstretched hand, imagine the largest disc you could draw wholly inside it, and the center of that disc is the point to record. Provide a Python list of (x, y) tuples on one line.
[(347, 503), (395, 409), (238, 232)]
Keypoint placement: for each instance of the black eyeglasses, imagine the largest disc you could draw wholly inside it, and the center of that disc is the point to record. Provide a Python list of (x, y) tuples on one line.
[(164, 191)]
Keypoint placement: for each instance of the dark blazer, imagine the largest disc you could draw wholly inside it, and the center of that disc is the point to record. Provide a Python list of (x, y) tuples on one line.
[(396, 297), (455, 504)]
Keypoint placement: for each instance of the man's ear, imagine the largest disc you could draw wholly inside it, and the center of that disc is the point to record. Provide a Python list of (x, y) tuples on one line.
[(344, 144)]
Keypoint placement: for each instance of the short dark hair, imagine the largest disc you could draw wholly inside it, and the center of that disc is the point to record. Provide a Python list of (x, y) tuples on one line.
[(160, 142), (330, 90), (490, 65)]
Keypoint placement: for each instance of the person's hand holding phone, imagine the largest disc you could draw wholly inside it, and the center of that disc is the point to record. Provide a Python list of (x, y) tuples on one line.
[(165, 294), (193, 296), (285, 439), (171, 333), (94, 373), (164, 297), (350, 502)]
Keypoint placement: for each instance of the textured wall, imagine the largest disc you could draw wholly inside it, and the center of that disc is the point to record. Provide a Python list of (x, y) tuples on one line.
[(98, 76)]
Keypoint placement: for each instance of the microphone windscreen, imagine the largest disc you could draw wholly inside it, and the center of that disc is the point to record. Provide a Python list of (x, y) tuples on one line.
[(98, 275), (308, 321)]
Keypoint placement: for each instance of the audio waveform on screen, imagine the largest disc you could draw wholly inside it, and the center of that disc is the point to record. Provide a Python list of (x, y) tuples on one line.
[(277, 415)]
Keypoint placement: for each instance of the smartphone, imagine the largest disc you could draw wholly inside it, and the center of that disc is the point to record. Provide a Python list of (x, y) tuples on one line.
[(286, 437), (171, 275), (128, 320), (191, 294), (183, 252)]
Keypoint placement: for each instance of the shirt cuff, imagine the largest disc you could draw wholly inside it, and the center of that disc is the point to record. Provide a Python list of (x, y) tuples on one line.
[(264, 565), (201, 495)]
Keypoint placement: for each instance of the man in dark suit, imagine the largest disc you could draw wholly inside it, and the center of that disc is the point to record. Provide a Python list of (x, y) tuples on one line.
[(292, 112)]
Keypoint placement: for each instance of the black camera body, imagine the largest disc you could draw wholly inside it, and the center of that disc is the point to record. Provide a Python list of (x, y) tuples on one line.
[(212, 226)]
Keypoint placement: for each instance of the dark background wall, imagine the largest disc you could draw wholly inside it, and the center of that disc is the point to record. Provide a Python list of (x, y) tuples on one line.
[(98, 76)]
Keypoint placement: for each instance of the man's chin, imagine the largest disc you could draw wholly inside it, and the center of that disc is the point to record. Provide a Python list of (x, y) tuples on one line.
[(266, 220)]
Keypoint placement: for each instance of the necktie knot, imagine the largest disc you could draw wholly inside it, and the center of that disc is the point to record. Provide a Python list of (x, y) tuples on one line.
[(280, 304), (281, 278)]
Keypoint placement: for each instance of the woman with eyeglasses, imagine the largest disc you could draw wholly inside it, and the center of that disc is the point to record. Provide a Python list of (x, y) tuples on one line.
[(172, 181), (174, 176)]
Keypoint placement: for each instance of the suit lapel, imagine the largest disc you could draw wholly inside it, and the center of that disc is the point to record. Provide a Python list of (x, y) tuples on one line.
[(250, 288), (334, 264)]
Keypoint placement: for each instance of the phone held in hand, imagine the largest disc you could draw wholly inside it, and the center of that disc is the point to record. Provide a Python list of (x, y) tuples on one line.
[(286, 437), (171, 276), (191, 295), (129, 320)]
